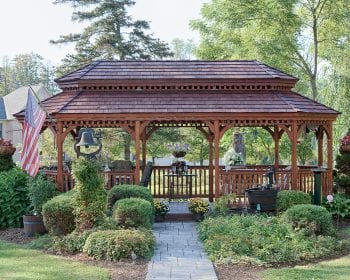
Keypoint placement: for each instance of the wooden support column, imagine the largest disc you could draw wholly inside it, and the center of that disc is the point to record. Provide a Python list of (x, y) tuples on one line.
[(144, 149), (137, 152), (211, 170), (276, 138), (216, 158), (330, 155), (319, 135), (294, 163), (59, 144)]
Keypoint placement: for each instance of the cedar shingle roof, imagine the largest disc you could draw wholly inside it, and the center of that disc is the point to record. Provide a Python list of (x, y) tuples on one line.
[(190, 69), (94, 102)]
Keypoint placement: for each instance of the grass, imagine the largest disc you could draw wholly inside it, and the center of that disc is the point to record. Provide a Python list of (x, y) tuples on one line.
[(338, 269), (20, 263)]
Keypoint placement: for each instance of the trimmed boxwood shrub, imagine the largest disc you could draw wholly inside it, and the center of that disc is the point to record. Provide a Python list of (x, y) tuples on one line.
[(120, 244), (133, 212), (287, 199), (58, 214), (14, 200), (72, 243), (127, 191), (311, 218)]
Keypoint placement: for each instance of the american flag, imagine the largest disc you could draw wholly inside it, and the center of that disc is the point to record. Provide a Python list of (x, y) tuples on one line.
[(33, 121)]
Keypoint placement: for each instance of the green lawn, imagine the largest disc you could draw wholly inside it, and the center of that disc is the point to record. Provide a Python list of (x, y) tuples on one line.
[(17, 262), (338, 269)]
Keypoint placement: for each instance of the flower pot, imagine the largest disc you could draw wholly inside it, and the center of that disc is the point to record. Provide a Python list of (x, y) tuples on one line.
[(344, 148), (33, 225), (198, 217), (7, 150), (159, 218), (179, 154), (266, 198)]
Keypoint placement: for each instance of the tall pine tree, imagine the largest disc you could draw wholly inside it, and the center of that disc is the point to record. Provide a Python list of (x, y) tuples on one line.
[(111, 34)]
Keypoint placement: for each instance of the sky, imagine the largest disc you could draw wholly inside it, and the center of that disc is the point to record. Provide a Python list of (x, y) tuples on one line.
[(28, 25)]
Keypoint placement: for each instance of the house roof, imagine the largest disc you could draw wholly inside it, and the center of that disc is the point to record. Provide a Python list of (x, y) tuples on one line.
[(93, 102), (181, 69), (2, 109), (16, 100)]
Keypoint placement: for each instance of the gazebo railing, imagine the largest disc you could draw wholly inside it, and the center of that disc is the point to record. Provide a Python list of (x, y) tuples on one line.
[(232, 181)]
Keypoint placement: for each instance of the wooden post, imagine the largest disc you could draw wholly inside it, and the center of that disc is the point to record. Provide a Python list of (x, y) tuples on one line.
[(211, 170), (137, 151), (319, 135), (294, 163), (144, 149), (276, 138), (328, 188), (216, 158), (59, 144)]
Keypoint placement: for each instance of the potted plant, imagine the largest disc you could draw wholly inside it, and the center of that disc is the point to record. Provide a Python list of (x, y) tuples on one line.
[(178, 150), (161, 208), (232, 158), (40, 190), (6, 152), (198, 207)]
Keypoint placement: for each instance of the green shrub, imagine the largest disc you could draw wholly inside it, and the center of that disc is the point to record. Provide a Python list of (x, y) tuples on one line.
[(310, 218), (42, 242), (127, 191), (6, 163), (90, 196), (120, 244), (72, 243), (221, 204), (339, 207), (14, 200), (58, 214), (287, 199), (133, 212), (261, 239), (40, 190)]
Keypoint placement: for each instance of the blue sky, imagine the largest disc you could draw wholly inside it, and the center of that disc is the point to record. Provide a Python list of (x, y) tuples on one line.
[(28, 25)]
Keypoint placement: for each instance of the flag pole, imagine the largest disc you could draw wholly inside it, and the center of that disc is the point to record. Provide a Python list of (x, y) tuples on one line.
[(38, 100)]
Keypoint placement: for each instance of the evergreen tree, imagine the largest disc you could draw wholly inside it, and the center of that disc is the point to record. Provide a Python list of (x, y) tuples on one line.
[(111, 34)]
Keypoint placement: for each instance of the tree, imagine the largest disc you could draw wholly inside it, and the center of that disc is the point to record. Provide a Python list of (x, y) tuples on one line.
[(293, 35), (111, 34), (183, 49)]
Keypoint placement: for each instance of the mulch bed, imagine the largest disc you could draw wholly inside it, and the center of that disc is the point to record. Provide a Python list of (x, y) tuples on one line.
[(15, 235)]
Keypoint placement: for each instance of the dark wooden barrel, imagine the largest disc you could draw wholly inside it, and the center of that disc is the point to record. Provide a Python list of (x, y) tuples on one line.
[(266, 198), (33, 225)]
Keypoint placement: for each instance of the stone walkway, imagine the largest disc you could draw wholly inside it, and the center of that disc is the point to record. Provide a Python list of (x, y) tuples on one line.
[(179, 254)]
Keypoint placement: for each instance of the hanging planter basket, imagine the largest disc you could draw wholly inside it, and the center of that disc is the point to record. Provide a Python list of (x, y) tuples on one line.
[(7, 150), (344, 148), (179, 154)]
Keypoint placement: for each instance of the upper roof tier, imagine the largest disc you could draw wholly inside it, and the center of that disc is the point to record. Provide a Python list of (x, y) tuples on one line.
[(184, 70)]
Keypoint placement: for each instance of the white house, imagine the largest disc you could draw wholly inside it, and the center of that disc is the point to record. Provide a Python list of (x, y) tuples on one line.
[(10, 128)]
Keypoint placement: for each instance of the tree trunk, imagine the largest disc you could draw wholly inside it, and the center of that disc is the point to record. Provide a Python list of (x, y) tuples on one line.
[(127, 143)]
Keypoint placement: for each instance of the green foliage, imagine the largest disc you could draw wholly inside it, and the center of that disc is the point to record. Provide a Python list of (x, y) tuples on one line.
[(110, 34), (342, 178), (221, 205), (312, 219), (287, 199), (198, 205), (90, 196), (161, 207), (42, 242), (339, 207), (134, 212), (72, 243), (120, 244), (6, 163), (40, 190), (260, 239), (58, 214), (14, 200), (127, 191)]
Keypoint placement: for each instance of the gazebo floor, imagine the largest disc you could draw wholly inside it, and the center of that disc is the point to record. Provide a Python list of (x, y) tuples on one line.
[(179, 212)]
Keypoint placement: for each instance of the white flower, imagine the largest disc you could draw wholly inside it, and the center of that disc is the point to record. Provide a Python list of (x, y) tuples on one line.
[(329, 198)]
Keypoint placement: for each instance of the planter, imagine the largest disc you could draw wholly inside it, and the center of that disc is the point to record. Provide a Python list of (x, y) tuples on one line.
[(159, 218), (265, 198), (179, 154), (33, 225), (7, 150), (198, 217)]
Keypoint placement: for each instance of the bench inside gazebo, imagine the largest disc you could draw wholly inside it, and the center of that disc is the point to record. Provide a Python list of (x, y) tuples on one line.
[(211, 96)]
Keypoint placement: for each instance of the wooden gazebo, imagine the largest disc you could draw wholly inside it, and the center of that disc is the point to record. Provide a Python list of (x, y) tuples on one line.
[(211, 96)]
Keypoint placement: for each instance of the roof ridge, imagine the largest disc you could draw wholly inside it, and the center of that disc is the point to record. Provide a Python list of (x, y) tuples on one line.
[(90, 66), (274, 68), (67, 103)]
